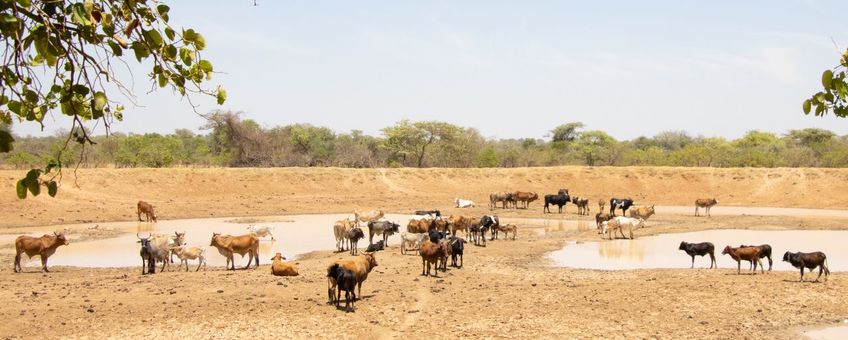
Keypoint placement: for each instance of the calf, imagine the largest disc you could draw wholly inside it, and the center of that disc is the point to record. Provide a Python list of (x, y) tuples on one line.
[(430, 253), (582, 204), (145, 208), (346, 281), (749, 254), (340, 229), (699, 249), (229, 245), (457, 248), (375, 247), (353, 236), (765, 251), (507, 229), (706, 203), (43, 246), (148, 262), (600, 218), (809, 261), (411, 241), (601, 204), (280, 268), (504, 197), (190, 253), (619, 223), (360, 266)]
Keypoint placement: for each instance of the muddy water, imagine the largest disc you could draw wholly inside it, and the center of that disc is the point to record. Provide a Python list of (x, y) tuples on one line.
[(832, 333), (295, 235), (661, 251)]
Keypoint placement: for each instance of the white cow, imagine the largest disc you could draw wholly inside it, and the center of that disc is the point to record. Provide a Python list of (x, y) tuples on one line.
[(463, 203), (190, 253), (261, 231), (619, 223), (411, 241)]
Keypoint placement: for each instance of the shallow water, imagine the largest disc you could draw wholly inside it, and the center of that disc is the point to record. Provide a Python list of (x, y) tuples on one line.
[(295, 235), (831, 333), (661, 251)]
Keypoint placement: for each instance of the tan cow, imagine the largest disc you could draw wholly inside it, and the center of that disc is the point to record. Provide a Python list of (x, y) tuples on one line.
[(460, 222), (147, 209), (706, 203), (340, 229), (367, 216), (228, 245), (280, 268), (43, 246), (642, 212), (361, 266)]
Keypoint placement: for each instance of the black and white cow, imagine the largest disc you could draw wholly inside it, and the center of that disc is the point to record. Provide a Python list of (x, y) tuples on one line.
[(620, 203), (385, 228), (559, 200), (490, 222)]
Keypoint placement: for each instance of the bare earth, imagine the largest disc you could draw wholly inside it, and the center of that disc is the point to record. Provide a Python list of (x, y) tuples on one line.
[(505, 290)]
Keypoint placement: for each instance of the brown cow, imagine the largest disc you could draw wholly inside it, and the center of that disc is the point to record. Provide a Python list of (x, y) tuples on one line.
[(147, 209), (749, 254), (460, 222), (525, 197), (280, 268), (228, 245), (643, 212), (601, 217), (440, 224), (507, 229), (44, 246), (505, 197), (360, 266), (419, 226), (601, 204), (582, 204), (706, 203)]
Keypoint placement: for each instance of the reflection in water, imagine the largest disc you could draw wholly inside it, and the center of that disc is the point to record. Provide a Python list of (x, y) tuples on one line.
[(661, 251)]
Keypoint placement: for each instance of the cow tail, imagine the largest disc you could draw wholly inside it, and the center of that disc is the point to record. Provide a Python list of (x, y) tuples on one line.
[(826, 270)]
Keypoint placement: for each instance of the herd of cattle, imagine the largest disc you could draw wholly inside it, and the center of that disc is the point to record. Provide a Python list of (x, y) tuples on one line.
[(433, 237)]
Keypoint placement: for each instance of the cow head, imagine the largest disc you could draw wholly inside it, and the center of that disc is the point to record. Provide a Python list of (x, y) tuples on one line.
[(787, 256), (215, 237), (372, 261), (278, 257), (726, 250), (145, 241), (179, 238), (60, 238), (682, 245)]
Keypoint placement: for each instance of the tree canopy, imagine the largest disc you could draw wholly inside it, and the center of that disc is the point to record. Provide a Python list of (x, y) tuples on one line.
[(834, 94), (60, 56)]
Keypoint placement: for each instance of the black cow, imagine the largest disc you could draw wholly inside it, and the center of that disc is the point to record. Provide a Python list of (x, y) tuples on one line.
[(620, 203), (457, 247), (559, 200), (809, 261), (436, 236), (345, 281), (490, 222), (380, 245), (765, 251), (699, 249), (147, 260), (434, 212)]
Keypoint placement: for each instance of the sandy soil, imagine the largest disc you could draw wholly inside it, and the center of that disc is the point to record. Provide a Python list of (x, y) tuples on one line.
[(505, 290)]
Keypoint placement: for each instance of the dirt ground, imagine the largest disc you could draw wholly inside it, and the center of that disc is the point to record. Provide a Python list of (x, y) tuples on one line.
[(505, 290)]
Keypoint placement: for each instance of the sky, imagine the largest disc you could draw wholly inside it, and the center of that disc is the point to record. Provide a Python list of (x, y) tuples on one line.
[(511, 69)]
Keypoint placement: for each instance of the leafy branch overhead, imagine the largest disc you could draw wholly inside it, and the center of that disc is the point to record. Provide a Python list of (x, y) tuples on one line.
[(60, 56), (834, 96)]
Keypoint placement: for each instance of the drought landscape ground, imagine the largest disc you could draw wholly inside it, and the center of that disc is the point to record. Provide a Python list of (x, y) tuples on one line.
[(507, 289)]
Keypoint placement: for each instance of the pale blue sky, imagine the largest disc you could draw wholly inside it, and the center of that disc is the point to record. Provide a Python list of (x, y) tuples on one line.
[(509, 68)]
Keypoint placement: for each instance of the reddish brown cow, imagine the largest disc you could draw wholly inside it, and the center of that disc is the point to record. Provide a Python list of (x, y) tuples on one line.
[(44, 246), (749, 254), (228, 245), (147, 209), (419, 226), (525, 197)]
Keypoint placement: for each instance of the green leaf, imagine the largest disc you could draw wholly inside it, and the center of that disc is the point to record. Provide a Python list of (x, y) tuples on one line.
[(32, 175), (827, 79), (221, 95), (200, 42), (141, 51), (80, 89), (163, 9), (99, 101), (7, 18), (806, 106), (34, 187), (186, 55), (6, 141), (153, 37), (116, 49), (21, 189), (205, 65), (52, 188), (169, 32), (162, 79)]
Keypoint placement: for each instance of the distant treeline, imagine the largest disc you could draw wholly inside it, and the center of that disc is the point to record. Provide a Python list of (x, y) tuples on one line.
[(236, 142)]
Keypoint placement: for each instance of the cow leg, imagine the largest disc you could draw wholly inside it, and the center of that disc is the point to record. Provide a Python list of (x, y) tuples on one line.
[(696, 211), (713, 261), (738, 267), (249, 260), (770, 262), (338, 297), (17, 267), (802, 273), (359, 288), (693, 263), (821, 270), (164, 263), (423, 266), (762, 271), (44, 263)]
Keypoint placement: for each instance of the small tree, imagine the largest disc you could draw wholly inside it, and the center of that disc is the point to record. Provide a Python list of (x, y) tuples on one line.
[(834, 94)]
